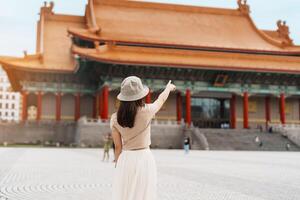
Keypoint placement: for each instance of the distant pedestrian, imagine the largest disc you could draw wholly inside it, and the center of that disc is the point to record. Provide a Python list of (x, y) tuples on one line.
[(107, 146), (288, 146), (270, 130), (186, 145), (261, 129), (258, 141)]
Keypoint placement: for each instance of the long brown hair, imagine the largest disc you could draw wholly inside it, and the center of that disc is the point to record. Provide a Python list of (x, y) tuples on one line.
[(127, 112)]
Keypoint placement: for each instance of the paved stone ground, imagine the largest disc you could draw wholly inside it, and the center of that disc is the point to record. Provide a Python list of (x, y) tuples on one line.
[(73, 174)]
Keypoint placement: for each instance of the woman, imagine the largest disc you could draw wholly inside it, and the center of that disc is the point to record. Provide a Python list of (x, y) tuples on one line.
[(135, 176)]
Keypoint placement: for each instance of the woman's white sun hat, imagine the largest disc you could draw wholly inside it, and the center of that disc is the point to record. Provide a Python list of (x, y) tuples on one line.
[(132, 89)]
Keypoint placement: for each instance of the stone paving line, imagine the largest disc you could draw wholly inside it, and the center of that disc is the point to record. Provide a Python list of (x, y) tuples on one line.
[(73, 174)]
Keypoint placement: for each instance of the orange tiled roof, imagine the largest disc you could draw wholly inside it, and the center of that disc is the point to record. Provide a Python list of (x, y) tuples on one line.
[(157, 23), (161, 25)]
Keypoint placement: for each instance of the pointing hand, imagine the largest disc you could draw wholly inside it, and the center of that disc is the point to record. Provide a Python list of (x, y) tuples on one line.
[(171, 86)]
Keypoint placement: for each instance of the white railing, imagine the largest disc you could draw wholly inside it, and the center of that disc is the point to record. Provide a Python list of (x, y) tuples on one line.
[(284, 128), (164, 122), (90, 121), (291, 131), (34, 122)]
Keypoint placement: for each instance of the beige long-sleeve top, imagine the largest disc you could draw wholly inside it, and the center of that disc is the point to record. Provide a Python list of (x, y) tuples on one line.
[(139, 136)]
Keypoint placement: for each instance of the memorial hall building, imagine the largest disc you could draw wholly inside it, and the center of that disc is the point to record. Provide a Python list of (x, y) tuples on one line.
[(228, 72)]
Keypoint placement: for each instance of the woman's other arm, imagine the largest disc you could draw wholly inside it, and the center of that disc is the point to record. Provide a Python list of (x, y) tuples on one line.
[(118, 143), (116, 136)]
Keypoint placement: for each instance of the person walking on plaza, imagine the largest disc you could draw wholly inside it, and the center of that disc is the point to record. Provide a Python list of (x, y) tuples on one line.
[(258, 141), (186, 145), (288, 146), (107, 145), (135, 174)]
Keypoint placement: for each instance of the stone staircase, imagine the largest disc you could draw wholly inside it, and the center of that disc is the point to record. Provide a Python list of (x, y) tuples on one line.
[(199, 140), (227, 139)]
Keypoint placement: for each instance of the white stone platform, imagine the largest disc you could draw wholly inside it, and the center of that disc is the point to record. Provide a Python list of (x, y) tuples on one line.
[(79, 174)]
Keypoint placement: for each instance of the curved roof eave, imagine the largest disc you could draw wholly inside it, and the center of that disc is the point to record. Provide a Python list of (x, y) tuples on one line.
[(88, 36), (31, 63), (198, 60)]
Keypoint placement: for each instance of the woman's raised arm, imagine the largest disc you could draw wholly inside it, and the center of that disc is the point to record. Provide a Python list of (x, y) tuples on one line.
[(158, 103)]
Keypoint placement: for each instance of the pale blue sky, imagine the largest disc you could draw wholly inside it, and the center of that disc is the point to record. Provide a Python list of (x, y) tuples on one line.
[(18, 18)]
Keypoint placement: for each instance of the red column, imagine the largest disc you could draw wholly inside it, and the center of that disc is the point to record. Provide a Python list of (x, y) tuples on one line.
[(282, 108), (58, 107), (39, 106), (267, 110), (148, 97), (105, 103), (188, 107), (233, 111), (24, 106), (100, 104), (95, 106), (299, 108), (77, 107), (246, 110), (179, 107)]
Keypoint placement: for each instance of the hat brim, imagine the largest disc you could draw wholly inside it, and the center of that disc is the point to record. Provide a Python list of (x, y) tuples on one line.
[(141, 95)]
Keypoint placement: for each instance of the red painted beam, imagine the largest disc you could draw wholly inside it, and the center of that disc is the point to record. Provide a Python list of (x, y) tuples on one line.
[(188, 107), (246, 110), (299, 108), (282, 108), (100, 104), (268, 110), (105, 102), (233, 111), (148, 97), (179, 107), (58, 107)]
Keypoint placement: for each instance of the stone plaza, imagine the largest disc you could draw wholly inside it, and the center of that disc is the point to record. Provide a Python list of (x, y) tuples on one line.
[(71, 174)]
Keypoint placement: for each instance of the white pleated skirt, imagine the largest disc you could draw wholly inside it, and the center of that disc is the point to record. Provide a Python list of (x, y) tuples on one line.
[(135, 176)]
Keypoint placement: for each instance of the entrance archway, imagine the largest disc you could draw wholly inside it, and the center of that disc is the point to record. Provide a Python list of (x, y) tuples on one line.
[(210, 112)]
